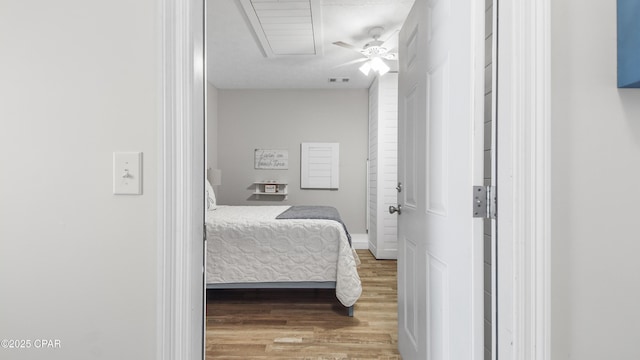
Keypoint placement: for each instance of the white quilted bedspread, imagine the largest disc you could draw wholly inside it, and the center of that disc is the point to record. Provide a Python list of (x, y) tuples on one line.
[(247, 244)]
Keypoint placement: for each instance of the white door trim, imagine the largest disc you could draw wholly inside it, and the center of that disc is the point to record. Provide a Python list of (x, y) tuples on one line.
[(180, 177), (524, 213), (523, 182)]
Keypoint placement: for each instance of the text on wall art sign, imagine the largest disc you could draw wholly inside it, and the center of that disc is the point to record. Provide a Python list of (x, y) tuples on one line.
[(271, 159)]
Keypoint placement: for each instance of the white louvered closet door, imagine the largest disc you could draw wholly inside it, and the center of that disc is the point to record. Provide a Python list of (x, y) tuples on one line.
[(320, 167)]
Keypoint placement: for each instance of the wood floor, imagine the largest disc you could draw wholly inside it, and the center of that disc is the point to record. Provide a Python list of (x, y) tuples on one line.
[(306, 324)]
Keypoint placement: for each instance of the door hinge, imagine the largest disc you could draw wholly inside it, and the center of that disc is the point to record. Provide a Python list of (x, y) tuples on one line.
[(484, 202), (204, 232)]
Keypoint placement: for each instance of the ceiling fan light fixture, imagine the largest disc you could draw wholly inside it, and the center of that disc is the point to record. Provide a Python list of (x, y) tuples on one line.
[(374, 52), (379, 66), (365, 68), (385, 69)]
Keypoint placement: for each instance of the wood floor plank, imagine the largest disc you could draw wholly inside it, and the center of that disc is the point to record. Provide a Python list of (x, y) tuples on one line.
[(305, 323)]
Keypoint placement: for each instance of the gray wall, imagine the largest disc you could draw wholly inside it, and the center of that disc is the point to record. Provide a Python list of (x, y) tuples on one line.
[(283, 119), (212, 129), (595, 178), (78, 264)]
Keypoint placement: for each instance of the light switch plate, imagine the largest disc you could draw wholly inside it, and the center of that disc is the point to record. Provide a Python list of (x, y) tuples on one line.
[(127, 173)]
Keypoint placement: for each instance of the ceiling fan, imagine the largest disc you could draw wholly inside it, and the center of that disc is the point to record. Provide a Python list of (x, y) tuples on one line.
[(374, 52)]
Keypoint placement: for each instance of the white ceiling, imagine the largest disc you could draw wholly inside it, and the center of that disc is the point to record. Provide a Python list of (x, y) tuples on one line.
[(235, 59)]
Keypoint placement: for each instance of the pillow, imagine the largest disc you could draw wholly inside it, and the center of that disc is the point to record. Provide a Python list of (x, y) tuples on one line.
[(210, 197)]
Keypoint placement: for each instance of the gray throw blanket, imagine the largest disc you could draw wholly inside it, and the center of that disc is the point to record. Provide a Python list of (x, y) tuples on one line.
[(314, 212)]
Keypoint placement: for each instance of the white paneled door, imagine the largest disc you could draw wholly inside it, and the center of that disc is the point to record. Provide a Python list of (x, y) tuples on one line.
[(440, 314)]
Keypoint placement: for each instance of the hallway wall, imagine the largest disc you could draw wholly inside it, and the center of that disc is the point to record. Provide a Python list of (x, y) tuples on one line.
[(595, 189), (80, 80)]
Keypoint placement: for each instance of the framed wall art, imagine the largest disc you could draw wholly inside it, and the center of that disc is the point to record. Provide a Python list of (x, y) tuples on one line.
[(269, 159)]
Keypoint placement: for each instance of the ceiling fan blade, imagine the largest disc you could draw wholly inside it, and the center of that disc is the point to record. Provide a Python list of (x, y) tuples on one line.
[(345, 45), (351, 62)]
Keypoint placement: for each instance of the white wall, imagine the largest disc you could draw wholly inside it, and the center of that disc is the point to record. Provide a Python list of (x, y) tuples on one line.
[(283, 119), (212, 129), (78, 264), (595, 240)]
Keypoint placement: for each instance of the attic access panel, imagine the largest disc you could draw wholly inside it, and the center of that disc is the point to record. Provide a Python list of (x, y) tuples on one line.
[(285, 28)]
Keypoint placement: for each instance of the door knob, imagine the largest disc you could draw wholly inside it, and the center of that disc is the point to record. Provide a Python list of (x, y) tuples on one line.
[(393, 209)]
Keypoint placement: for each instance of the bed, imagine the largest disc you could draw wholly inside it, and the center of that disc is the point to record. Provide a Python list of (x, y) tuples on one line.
[(249, 247)]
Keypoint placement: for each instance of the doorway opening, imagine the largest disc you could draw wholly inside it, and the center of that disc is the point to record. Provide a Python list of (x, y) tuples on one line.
[(232, 171), (283, 102)]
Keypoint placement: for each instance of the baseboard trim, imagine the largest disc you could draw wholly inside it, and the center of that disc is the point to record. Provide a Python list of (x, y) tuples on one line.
[(360, 241)]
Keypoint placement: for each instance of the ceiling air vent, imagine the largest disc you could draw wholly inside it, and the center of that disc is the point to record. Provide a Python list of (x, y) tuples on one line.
[(285, 27)]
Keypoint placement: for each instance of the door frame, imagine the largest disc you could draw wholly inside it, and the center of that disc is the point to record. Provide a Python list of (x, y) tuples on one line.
[(180, 181), (524, 136), (524, 205)]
